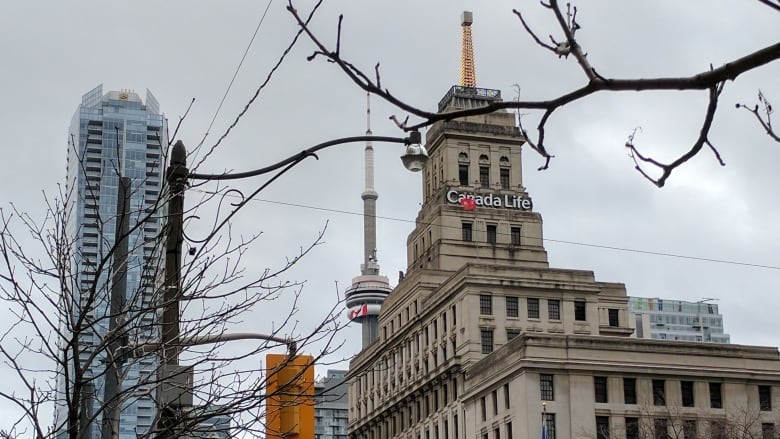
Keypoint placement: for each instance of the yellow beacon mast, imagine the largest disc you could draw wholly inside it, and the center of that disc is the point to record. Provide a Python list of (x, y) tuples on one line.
[(468, 74)]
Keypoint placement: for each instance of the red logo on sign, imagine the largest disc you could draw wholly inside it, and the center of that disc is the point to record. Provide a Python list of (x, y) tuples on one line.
[(468, 203)]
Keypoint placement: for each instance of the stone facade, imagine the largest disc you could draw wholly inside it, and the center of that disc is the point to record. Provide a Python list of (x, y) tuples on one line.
[(481, 336)]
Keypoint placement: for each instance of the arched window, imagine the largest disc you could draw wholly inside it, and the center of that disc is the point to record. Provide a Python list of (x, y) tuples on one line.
[(463, 169), (484, 171), (503, 164)]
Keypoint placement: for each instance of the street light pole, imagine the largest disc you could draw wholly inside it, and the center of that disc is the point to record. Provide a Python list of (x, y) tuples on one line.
[(414, 158)]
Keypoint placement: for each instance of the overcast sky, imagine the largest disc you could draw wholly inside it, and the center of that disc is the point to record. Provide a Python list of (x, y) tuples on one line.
[(52, 52)]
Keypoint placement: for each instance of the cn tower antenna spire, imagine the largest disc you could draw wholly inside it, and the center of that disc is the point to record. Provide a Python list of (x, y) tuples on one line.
[(468, 74), (369, 290), (369, 196)]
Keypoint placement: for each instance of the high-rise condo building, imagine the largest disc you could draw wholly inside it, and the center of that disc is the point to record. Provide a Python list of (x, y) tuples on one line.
[(664, 319), (116, 146), (331, 407)]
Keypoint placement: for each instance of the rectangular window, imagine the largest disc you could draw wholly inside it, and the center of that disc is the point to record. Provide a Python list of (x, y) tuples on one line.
[(494, 397), (768, 431), (454, 319), (659, 392), (484, 176), (661, 428), (504, 178), (506, 396), (487, 340), (496, 433), (716, 397), (466, 231), (486, 304), (455, 389), (463, 174), (718, 430), (579, 310), (600, 389), (533, 307), (614, 321), (553, 309), (549, 423), (632, 428), (509, 430), (492, 234), (512, 309), (546, 389), (602, 427), (512, 333), (515, 236), (483, 408), (765, 398), (689, 429), (686, 388), (629, 390), (455, 426)]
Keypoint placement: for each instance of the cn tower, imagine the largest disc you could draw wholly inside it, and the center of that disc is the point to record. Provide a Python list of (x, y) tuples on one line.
[(369, 290)]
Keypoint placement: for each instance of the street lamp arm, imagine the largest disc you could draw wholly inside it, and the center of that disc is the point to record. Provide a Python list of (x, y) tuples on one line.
[(217, 338), (305, 153), (149, 348)]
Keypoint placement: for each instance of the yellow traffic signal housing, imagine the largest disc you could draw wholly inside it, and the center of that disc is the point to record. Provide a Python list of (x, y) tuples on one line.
[(289, 397)]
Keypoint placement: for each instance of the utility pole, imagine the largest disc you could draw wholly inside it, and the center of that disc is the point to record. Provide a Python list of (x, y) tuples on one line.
[(114, 359), (176, 177)]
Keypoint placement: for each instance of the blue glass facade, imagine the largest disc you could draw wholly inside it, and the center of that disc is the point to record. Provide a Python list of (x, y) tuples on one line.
[(216, 426), (113, 135), (331, 406)]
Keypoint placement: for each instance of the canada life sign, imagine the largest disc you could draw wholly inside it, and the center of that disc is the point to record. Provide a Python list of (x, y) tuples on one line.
[(491, 200)]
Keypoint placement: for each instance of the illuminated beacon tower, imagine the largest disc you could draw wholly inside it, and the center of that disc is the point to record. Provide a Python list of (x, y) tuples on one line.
[(468, 74), (370, 289)]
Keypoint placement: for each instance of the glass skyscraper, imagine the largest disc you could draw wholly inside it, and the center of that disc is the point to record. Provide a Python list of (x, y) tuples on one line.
[(112, 136), (331, 408)]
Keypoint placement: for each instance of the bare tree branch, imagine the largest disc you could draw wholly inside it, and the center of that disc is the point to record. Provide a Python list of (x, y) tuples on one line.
[(666, 169), (764, 119), (711, 80)]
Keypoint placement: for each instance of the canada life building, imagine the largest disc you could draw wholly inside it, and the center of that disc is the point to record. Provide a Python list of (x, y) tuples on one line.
[(482, 339), (114, 135)]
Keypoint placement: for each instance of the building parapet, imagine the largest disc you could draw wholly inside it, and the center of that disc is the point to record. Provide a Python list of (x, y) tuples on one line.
[(524, 348), (472, 93)]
